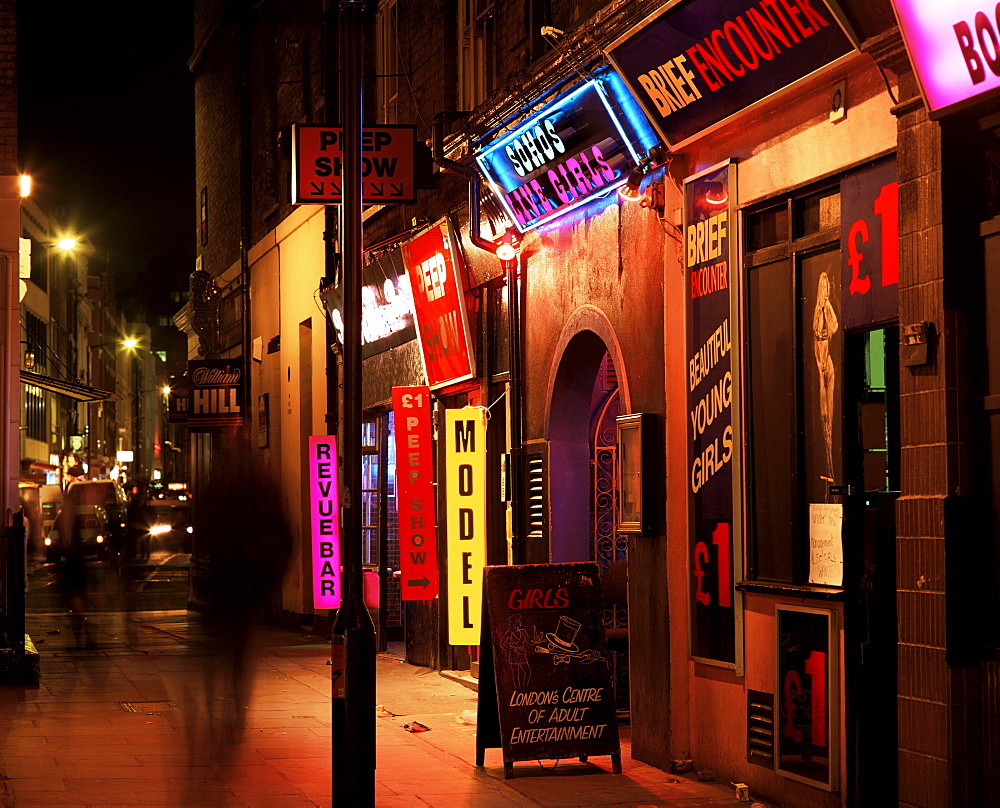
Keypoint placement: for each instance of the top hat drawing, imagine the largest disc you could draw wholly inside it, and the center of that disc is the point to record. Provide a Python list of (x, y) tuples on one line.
[(565, 634)]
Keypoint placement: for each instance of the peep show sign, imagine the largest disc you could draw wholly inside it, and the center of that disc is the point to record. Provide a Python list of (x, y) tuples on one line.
[(582, 145), (693, 64), (436, 270), (708, 241)]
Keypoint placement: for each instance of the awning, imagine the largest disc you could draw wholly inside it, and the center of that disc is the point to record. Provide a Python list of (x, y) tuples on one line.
[(74, 390)]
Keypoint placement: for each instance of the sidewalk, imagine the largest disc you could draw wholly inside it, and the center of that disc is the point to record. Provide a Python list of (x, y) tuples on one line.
[(122, 722)]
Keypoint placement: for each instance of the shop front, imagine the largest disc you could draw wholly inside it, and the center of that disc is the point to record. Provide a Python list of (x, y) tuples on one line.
[(782, 394)]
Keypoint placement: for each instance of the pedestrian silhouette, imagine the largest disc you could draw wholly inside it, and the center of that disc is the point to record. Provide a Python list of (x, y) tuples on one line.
[(240, 518), (73, 573)]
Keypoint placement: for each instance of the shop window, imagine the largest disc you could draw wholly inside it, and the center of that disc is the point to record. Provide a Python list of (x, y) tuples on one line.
[(816, 212), (39, 264), (35, 413), (380, 536), (767, 227), (388, 61), (36, 337), (794, 378), (476, 52)]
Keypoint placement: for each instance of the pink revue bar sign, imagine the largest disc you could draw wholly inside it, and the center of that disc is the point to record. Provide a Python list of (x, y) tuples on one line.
[(954, 46), (324, 505)]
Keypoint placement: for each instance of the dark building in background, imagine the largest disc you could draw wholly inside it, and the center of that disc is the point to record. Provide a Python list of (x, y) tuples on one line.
[(791, 318)]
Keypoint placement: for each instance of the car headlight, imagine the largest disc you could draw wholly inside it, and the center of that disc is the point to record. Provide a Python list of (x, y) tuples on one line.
[(156, 530)]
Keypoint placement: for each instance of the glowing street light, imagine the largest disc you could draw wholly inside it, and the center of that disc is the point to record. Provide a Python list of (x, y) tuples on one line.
[(67, 244)]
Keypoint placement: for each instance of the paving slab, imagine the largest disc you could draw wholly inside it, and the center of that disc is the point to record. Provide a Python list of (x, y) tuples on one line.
[(130, 720)]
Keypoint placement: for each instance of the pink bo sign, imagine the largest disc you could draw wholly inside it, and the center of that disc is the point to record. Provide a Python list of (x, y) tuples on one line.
[(324, 504), (954, 46)]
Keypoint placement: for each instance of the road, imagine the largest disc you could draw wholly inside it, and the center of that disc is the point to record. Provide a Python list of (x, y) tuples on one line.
[(161, 583)]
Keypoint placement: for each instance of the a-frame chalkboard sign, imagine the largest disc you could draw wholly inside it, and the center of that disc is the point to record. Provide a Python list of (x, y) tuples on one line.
[(545, 687)]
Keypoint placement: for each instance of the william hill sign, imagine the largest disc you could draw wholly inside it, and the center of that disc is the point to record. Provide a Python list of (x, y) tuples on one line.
[(215, 387)]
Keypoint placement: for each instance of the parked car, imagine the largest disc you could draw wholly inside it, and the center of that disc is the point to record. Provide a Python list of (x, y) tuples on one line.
[(92, 514)]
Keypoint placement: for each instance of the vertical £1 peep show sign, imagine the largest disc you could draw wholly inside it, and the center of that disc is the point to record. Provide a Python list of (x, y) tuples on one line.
[(711, 392), (417, 525), (465, 475), (324, 507)]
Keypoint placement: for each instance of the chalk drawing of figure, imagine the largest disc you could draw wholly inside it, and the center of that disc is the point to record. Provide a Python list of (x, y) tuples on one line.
[(825, 325), (516, 643)]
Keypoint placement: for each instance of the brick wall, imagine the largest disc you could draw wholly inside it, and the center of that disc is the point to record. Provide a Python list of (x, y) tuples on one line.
[(935, 697), (8, 89)]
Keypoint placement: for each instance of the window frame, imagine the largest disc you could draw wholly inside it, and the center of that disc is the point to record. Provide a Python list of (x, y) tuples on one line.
[(789, 246)]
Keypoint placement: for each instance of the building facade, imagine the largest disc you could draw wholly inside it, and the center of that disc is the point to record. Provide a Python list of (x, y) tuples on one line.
[(789, 303)]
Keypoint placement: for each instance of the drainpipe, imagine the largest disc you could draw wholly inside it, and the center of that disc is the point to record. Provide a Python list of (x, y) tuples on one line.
[(518, 554)]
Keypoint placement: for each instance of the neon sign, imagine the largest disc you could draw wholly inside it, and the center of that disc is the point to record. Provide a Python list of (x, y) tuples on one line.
[(577, 148), (386, 305), (953, 47)]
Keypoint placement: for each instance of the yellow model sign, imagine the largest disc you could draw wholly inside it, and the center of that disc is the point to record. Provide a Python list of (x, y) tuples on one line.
[(465, 475)]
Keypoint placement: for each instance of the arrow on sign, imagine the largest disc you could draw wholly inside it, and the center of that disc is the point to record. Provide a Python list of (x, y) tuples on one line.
[(396, 188), (376, 188), (319, 189), (421, 582)]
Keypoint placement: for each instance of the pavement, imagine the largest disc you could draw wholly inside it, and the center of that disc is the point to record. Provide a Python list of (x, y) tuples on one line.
[(125, 716)]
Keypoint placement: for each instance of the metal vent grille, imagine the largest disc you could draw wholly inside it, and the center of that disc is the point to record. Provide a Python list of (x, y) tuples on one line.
[(760, 728), (148, 707), (536, 497)]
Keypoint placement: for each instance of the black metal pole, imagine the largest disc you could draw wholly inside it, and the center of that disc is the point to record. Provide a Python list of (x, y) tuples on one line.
[(354, 703), (519, 551)]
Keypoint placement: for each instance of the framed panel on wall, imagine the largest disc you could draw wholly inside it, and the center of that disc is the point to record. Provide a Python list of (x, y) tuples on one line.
[(807, 695), (638, 474)]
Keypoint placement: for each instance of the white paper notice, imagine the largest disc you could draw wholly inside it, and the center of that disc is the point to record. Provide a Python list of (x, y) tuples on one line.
[(826, 545)]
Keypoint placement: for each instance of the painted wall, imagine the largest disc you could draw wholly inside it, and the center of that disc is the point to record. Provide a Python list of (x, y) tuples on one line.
[(287, 266), (595, 279)]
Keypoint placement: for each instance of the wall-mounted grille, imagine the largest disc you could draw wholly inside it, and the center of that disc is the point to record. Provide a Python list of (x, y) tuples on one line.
[(760, 728), (537, 490)]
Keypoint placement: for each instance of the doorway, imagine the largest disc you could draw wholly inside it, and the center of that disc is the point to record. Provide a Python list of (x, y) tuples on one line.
[(586, 401), (872, 410)]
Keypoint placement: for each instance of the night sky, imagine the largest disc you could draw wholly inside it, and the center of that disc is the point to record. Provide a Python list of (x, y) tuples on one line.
[(105, 122)]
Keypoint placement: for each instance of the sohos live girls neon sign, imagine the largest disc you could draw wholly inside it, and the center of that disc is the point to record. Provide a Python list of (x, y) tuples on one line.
[(582, 145)]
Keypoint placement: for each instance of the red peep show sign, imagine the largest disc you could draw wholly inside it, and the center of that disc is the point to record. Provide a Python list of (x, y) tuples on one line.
[(411, 409), (436, 275)]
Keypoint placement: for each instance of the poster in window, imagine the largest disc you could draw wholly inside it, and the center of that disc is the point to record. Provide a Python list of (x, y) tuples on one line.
[(822, 336), (807, 695), (708, 229)]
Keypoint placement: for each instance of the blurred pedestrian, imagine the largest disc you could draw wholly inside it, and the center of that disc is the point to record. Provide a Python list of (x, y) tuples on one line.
[(74, 574), (241, 519), (135, 551)]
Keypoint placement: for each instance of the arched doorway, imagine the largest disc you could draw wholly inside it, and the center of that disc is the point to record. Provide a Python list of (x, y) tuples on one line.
[(586, 400)]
